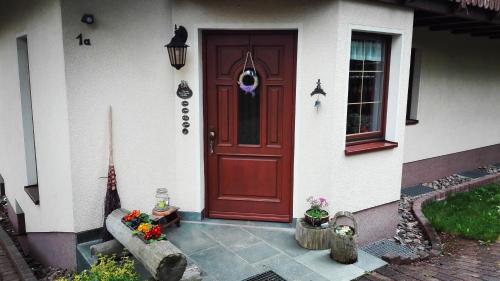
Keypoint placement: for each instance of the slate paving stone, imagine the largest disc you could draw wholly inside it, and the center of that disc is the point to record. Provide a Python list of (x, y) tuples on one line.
[(284, 266), (368, 262), (416, 190), (282, 239), (497, 165), (312, 277), (223, 265), (321, 263), (257, 252), (231, 236), (474, 174), (189, 238), (270, 224)]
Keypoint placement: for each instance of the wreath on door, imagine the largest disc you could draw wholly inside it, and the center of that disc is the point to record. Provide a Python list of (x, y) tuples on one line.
[(248, 80)]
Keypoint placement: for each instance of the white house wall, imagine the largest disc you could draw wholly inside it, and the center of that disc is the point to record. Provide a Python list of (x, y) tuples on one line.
[(127, 67), (41, 22), (324, 27), (458, 104)]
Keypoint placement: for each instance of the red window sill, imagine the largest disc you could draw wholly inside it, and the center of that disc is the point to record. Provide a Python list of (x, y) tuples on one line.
[(369, 147)]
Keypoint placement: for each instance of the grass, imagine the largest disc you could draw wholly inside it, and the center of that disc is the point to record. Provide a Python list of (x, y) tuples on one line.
[(474, 214)]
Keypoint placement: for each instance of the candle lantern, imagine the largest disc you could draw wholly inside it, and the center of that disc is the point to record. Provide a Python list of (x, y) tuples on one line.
[(162, 200)]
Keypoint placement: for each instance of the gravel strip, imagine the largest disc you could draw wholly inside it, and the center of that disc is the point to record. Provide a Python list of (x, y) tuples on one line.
[(41, 272), (409, 231)]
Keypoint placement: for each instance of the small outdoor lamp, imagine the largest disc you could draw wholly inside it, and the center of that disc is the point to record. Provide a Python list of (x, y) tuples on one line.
[(88, 19), (177, 48)]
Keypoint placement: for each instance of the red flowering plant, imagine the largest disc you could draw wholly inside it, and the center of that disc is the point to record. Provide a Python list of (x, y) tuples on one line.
[(142, 226)]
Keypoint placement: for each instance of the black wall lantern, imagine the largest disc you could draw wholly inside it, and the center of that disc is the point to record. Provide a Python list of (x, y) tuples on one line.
[(177, 47)]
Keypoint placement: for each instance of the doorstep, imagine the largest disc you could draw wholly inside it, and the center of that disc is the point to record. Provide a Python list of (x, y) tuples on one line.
[(236, 250), (239, 250)]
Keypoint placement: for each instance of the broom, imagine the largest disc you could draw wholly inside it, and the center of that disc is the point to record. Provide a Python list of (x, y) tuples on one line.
[(112, 201)]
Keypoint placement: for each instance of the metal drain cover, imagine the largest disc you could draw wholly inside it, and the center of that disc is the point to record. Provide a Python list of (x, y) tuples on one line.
[(266, 276), (382, 247), (416, 190)]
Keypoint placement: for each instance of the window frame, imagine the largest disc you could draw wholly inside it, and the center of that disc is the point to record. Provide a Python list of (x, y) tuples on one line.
[(412, 95), (360, 138)]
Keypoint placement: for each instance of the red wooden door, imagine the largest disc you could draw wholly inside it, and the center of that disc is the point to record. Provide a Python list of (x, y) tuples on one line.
[(249, 139)]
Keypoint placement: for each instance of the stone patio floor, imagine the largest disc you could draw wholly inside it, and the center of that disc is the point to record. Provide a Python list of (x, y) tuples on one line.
[(236, 250)]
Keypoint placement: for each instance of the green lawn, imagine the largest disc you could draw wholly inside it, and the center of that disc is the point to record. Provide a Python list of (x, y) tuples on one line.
[(474, 214)]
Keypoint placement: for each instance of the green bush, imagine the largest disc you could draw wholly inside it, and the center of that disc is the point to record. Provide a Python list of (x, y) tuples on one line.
[(108, 269)]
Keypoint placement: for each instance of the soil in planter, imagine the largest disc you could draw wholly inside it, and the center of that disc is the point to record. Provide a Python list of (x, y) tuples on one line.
[(316, 217)]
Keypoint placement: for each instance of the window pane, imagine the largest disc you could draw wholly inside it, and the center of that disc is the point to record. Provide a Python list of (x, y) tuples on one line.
[(370, 118), (353, 111), (374, 57), (357, 55), (355, 87), (372, 86), (248, 118)]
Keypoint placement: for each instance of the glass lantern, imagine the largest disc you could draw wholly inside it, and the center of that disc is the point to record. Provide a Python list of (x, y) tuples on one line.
[(162, 199)]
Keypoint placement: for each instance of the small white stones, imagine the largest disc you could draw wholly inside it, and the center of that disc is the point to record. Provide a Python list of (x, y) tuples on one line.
[(446, 182), (490, 169)]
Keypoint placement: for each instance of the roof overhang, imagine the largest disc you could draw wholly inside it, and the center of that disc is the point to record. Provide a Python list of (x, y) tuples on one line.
[(479, 18)]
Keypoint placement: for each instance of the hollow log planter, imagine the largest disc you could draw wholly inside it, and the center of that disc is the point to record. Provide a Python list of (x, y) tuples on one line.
[(163, 260), (312, 238)]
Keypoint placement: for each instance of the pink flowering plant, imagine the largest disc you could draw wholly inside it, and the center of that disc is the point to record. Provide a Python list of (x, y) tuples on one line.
[(317, 213)]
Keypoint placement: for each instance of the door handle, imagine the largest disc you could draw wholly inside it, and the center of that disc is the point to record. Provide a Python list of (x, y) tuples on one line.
[(211, 141)]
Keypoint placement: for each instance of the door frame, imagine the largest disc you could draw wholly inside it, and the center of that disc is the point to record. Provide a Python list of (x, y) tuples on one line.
[(203, 34)]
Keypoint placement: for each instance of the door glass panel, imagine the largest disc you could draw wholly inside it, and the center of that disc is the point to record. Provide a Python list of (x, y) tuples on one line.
[(249, 117)]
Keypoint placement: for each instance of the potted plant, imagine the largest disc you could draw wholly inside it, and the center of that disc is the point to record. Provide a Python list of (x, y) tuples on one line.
[(316, 215)]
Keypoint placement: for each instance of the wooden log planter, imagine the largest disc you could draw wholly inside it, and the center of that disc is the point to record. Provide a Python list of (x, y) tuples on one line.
[(163, 260), (312, 238)]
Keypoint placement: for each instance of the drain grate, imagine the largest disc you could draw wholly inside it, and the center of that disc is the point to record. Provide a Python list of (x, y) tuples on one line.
[(474, 174), (416, 190), (382, 247), (266, 276)]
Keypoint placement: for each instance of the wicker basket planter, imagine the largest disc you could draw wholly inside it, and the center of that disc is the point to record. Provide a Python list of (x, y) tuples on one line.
[(344, 248)]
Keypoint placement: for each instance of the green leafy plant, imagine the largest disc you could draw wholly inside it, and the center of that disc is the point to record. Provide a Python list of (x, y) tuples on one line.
[(107, 269)]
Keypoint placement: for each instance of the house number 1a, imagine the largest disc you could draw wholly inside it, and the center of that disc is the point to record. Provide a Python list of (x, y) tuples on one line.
[(83, 41)]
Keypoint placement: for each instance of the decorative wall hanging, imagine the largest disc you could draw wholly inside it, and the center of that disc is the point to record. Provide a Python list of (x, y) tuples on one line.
[(183, 90), (318, 91), (249, 81)]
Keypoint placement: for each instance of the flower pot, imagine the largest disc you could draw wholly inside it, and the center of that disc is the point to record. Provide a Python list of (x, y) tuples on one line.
[(316, 222)]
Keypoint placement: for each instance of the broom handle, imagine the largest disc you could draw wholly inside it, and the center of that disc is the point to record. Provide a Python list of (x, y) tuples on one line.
[(110, 120)]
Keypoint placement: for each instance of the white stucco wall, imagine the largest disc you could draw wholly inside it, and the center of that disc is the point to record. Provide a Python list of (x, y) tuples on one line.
[(127, 67), (324, 27), (41, 22), (459, 95)]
